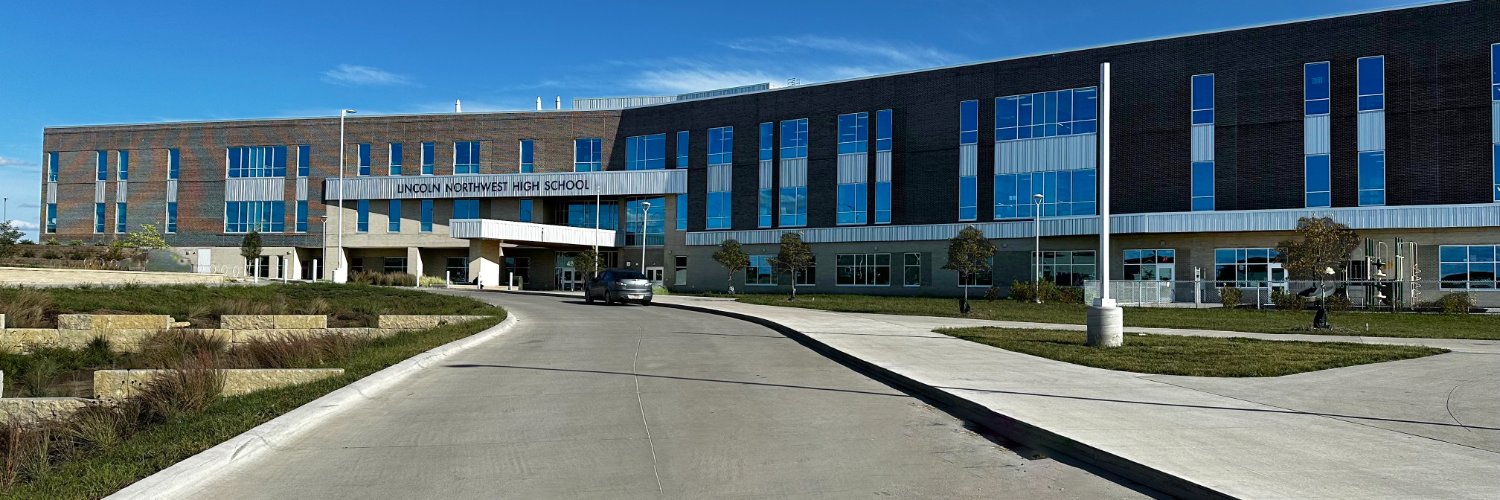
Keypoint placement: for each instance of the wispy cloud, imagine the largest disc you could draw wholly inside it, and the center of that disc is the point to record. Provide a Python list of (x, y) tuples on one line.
[(7, 162), (692, 79), (353, 74), (24, 225), (903, 56)]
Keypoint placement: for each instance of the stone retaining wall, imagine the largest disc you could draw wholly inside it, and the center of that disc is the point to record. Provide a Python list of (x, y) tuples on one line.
[(266, 321), (126, 331), (421, 322), (121, 384), (26, 410)]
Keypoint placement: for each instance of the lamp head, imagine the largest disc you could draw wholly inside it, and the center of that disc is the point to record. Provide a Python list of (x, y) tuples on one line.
[(1037, 197)]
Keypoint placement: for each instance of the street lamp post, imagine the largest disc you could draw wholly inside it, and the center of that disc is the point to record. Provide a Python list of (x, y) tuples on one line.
[(1036, 231), (341, 273), (1106, 322), (322, 226), (598, 206), (645, 211)]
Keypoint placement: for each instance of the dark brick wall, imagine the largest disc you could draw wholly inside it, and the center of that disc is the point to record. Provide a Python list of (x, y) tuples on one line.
[(1437, 65)]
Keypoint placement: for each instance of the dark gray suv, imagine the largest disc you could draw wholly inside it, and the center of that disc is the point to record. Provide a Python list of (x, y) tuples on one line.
[(619, 285)]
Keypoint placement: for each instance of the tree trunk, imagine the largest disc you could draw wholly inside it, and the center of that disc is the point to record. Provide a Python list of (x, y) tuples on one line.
[(794, 286)]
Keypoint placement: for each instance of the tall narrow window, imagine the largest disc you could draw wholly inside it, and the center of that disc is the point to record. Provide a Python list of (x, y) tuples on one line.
[(362, 220), (793, 173), (1495, 116), (172, 217), (853, 168), (1316, 163), (52, 217), (1202, 118), (393, 217), (52, 166), (682, 210), (528, 156), (120, 226), (301, 223), (465, 157), (682, 149), (588, 155), (395, 164), (364, 160), (523, 210), (304, 160), (98, 217), (646, 152), (101, 166), (426, 216), (720, 176), (124, 164), (766, 196), (428, 150), (883, 166), (1371, 131), (968, 160)]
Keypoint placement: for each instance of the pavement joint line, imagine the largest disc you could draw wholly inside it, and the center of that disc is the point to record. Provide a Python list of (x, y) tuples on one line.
[(634, 360), (181, 479)]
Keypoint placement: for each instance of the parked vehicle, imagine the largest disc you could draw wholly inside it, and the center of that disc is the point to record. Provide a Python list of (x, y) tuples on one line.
[(619, 285)]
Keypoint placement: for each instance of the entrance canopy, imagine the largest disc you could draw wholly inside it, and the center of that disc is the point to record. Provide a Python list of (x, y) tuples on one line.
[(528, 232)]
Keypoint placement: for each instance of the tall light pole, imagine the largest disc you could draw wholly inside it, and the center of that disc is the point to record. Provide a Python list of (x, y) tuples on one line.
[(1036, 231), (598, 206), (1106, 322), (645, 211), (341, 273)]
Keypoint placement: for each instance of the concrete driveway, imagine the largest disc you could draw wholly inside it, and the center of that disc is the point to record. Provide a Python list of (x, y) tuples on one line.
[(642, 402)]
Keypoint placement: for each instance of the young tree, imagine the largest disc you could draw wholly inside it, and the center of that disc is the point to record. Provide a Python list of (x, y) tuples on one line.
[(969, 254), (734, 259), (9, 236), (584, 263), (1325, 244), (250, 250), (794, 257), (145, 237)]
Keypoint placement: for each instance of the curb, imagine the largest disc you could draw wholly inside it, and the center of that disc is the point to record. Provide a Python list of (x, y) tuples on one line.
[(1009, 427), (179, 480)]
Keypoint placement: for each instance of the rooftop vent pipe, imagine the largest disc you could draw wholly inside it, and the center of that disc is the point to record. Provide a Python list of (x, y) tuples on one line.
[(558, 102), (458, 107)]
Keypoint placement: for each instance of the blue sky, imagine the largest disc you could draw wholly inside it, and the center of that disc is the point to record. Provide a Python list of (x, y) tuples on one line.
[(71, 63)]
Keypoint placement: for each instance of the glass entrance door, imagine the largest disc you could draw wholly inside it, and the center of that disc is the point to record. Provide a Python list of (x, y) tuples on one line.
[(569, 280)]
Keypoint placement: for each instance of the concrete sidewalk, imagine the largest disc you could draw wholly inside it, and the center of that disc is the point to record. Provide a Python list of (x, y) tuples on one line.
[(1426, 427)]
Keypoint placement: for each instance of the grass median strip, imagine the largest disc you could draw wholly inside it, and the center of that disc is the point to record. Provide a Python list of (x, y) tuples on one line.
[(1193, 356), (1374, 324), (93, 470)]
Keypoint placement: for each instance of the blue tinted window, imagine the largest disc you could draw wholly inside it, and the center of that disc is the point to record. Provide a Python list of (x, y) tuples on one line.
[(246, 216), (1495, 72), (883, 130), (301, 226), (1372, 178), (1203, 99), (682, 212), (582, 215), (854, 133), (257, 161), (52, 159), (362, 221), (304, 160), (528, 156), (588, 155), (793, 206), (968, 122), (654, 223), (882, 203), (853, 203), (718, 213), (426, 216), (465, 209), (120, 226), (968, 198), (1371, 83), (172, 216), (395, 158), (682, 149), (1318, 181), (1495, 165), (523, 213), (52, 217), (794, 138), (1046, 114), (124, 165), (101, 165), (393, 217), (646, 152), (1315, 88), (466, 157), (98, 217), (364, 159), (1203, 186), (766, 203), (428, 151), (721, 146), (767, 141)]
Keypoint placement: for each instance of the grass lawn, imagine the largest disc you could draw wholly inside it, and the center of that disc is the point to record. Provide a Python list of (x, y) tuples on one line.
[(1194, 356), (101, 471), (1381, 324)]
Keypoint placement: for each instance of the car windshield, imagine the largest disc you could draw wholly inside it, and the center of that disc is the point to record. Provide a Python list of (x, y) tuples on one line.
[(629, 275)]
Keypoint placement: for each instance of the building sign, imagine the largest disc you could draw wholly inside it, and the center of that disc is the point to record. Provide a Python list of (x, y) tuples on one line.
[(618, 183)]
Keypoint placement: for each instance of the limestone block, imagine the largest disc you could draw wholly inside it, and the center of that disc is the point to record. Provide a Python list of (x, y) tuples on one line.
[(26, 410), (121, 384), (421, 322), (247, 321), (308, 321), (75, 322), (2, 322), (112, 384), (23, 339), (131, 322)]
